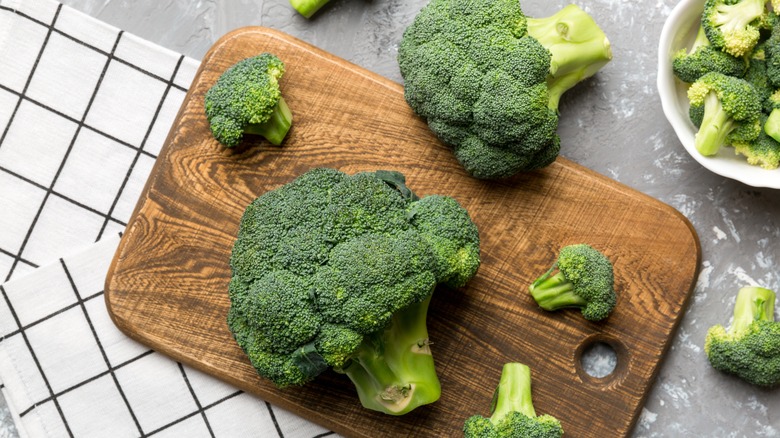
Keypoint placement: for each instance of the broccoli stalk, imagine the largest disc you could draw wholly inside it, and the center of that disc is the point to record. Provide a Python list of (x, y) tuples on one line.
[(393, 371), (513, 393), (582, 278), (307, 8), (513, 413), (725, 109), (276, 127), (772, 123), (578, 46), (716, 125), (750, 348), (753, 304), (553, 292)]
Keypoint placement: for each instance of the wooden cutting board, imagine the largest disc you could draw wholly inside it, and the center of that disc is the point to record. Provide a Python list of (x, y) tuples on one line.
[(167, 285)]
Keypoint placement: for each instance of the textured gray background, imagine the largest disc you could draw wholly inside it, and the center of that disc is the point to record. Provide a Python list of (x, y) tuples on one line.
[(612, 123)]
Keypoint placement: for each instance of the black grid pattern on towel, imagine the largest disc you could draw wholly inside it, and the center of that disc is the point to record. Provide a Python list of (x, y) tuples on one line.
[(109, 222)]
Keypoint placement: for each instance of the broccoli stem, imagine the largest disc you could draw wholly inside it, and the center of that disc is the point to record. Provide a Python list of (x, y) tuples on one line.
[(715, 126), (737, 16), (553, 292), (700, 41), (307, 8), (276, 127), (513, 393), (393, 371), (753, 304), (772, 124), (578, 46)]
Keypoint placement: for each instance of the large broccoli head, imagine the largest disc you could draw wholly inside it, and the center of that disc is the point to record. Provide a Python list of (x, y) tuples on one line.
[(336, 271), (750, 348), (582, 277), (246, 99), (488, 79)]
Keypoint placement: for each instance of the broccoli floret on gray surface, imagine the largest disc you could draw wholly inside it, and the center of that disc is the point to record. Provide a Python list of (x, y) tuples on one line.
[(488, 79), (750, 347)]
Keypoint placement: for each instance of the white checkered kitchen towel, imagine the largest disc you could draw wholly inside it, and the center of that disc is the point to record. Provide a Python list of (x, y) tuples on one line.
[(84, 110)]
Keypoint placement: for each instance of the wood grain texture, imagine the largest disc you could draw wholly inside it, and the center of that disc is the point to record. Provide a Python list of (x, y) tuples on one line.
[(167, 286)]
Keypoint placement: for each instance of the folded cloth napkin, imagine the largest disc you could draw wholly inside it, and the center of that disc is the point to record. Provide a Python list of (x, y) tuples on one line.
[(84, 110)]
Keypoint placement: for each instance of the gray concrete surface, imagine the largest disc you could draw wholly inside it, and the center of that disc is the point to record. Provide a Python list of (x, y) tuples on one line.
[(612, 124)]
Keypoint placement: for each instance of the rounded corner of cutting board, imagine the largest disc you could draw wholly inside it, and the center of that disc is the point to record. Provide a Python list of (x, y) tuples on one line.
[(112, 289)]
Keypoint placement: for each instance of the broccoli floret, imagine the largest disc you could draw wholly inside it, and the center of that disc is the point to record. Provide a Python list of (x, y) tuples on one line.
[(336, 271), (582, 277), (725, 109), (734, 25), (307, 8), (756, 75), (772, 49), (246, 99), (764, 151), (488, 79), (702, 58), (513, 414), (750, 348)]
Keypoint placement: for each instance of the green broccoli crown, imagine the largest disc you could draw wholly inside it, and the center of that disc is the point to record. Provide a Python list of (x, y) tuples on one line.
[(246, 99), (488, 86), (772, 51), (724, 108), (750, 348), (734, 25), (513, 414), (336, 271), (764, 151), (702, 58), (756, 75), (584, 280)]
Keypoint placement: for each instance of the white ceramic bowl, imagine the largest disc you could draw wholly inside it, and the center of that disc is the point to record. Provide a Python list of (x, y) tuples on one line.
[(678, 32)]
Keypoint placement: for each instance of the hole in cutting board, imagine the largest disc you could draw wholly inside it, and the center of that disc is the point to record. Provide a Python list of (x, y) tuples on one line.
[(598, 359), (601, 359)]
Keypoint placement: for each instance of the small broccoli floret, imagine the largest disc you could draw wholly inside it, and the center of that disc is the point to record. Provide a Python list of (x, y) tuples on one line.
[(307, 8), (337, 271), (581, 277), (513, 414), (764, 151), (734, 25), (725, 109), (488, 80), (750, 348), (702, 58), (246, 99)]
